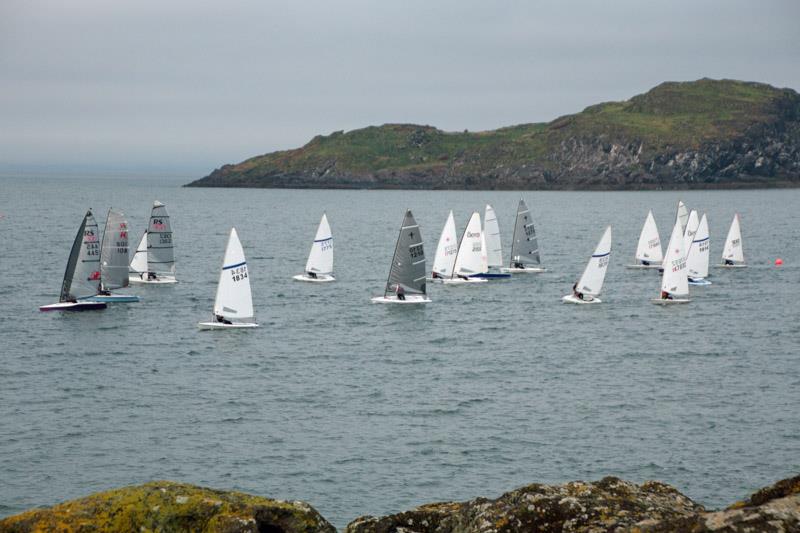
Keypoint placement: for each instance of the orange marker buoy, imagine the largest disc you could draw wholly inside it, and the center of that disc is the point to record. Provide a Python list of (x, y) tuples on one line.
[(778, 262)]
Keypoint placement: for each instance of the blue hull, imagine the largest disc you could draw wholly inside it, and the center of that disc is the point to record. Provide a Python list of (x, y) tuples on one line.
[(112, 298), (491, 275)]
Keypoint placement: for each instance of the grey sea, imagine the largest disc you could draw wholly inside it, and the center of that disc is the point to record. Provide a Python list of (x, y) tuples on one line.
[(360, 408)]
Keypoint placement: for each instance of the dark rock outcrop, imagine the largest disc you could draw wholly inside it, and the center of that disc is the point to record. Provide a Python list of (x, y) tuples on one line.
[(701, 134), (166, 506)]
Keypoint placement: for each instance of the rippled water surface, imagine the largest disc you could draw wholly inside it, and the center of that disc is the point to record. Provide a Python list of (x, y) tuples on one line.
[(360, 408)]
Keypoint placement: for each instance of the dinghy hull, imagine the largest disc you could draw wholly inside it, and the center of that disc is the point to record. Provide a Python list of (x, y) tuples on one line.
[(526, 270), (74, 306), (112, 298), (164, 280), (492, 275), (699, 282), (411, 299), (321, 278), (731, 266), (675, 301), (217, 325), (642, 267), (462, 281), (572, 299)]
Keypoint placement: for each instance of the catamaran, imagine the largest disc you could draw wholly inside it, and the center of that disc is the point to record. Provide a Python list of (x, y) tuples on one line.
[(446, 251), (732, 253), (674, 281), (470, 259), (406, 282), (233, 305), (587, 289), (114, 261), (319, 267), (159, 252), (698, 256), (648, 251), (82, 277), (492, 247), (524, 246)]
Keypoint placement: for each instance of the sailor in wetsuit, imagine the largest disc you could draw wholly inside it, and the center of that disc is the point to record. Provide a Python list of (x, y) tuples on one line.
[(665, 295), (312, 275), (401, 292), (575, 291), (222, 320)]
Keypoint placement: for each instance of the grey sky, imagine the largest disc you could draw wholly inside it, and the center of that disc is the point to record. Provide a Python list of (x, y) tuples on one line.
[(186, 86)]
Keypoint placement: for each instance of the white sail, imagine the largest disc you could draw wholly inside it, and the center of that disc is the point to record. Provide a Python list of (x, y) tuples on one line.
[(446, 250), (494, 249), (591, 281), (733, 251), (649, 248), (698, 256), (484, 253), (139, 261), (160, 249), (320, 259), (691, 228), (674, 280), (468, 259), (682, 215), (114, 252), (234, 300)]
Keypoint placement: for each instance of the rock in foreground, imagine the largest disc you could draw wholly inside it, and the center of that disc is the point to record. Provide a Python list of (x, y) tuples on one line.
[(606, 505), (166, 506)]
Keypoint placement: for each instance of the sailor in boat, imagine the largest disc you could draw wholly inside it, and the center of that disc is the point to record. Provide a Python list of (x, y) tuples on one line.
[(645, 263), (435, 275), (580, 295), (517, 264), (728, 262), (665, 295), (312, 275), (401, 292), (222, 320), (151, 276)]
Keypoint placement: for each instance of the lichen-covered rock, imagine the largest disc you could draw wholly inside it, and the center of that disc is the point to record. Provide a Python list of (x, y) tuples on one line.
[(606, 505), (165, 506)]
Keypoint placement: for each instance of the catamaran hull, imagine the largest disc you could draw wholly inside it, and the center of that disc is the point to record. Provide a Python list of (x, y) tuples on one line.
[(321, 278), (642, 267), (219, 325), (674, 301), (410, 299), (492, 275), (164, 280), (700, 282), (74, 306), (525, 270), (572, 299), (731, 266), (462, 281), (112, 298)]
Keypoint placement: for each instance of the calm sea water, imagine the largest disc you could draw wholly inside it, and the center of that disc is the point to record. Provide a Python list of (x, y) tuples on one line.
[(360, 408)]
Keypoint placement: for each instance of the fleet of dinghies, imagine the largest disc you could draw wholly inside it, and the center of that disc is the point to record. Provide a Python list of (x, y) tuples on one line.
[(96, 267)]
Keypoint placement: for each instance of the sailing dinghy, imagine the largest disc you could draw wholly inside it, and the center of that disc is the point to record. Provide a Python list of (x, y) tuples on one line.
[(732, 253), (114, 261), (689, 229), (470, 259), (233, 305), (698, 256), (319, 267), (492, 246), (446, 250), (82, 276), (524, 246), (674, 281), (406, 282), (160, 253), (648, 251), (588, 287)]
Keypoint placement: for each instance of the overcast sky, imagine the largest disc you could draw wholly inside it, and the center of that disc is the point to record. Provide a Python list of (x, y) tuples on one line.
[(185, 86)]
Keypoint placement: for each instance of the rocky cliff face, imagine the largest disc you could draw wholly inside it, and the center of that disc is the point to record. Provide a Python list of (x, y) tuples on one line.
[(703, 134)]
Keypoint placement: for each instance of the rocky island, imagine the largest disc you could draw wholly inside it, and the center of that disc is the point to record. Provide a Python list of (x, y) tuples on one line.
[(610, 504), (700, 134)]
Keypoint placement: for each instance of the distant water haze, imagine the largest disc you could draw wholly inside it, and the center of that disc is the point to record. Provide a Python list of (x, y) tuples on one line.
[(361, 408), (184, 87)]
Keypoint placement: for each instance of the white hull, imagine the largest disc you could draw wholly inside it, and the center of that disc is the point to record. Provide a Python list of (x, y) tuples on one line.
[(219, 325), (674, 301), (700, 282), (572, 299), (163, 280), (74, 306), (462, 281), (321, 278), (410, 299), (740, 265), (643, 267), (525, 270)]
